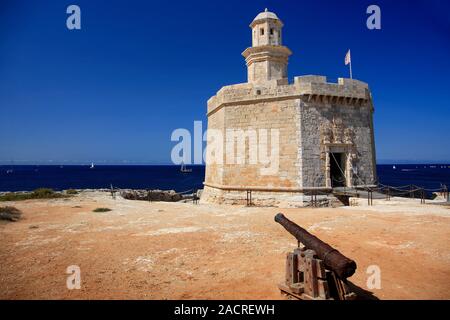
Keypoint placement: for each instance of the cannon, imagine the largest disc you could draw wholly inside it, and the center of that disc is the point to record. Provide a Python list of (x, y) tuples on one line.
[(315, 271), (333, 259)]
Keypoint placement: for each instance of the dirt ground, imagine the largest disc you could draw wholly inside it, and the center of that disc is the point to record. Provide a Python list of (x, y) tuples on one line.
[(143, 250)]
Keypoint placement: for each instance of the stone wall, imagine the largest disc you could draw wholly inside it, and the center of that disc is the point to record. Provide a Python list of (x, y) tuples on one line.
[(357, 119), (214, 171), (276, 115), (303, 112)]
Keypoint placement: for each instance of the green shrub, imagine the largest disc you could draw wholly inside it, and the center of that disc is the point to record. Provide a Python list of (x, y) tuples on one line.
[(12, 196), (41, 193), (71, 191), (10, 213), (101, 210)]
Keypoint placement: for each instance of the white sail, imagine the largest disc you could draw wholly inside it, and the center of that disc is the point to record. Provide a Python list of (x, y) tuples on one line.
[(184, 169)]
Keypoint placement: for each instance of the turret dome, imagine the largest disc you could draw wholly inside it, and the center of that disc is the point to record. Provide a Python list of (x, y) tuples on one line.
[(266, 15)]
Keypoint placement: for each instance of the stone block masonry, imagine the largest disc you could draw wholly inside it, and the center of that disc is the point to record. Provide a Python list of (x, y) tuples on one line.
[(325, 130)]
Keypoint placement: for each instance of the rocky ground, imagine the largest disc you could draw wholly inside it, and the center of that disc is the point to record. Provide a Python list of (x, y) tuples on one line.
[(160, 250)]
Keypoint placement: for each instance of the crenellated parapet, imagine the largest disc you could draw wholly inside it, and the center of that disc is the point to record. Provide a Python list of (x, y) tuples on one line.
[(346, 91), (308, 88)]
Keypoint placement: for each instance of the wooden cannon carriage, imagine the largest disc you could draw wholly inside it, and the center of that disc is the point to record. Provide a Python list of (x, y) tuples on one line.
[(315, 270)]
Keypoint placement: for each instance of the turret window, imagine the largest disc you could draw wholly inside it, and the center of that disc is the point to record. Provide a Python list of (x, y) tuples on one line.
[(271, 31), (262, 31)]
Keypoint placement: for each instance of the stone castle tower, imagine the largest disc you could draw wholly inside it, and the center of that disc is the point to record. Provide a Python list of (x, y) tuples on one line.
[(319, 135)]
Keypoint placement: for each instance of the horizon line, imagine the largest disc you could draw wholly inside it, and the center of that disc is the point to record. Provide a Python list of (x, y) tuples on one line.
[(46, 163)]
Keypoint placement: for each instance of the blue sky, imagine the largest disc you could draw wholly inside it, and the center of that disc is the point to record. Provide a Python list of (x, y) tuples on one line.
[(116, 89)]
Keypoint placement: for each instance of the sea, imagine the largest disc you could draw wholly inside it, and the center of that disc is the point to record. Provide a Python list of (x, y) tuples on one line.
[(168, 177)]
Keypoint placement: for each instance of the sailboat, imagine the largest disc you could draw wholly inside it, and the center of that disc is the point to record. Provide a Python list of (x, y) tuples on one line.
[(183, 168), (394, 167), (9, 171), (92, 165)]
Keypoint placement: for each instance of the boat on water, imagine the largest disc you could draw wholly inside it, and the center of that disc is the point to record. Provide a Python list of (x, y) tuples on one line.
[(394, 167), (184, 169), (92, 165), (10, 170)]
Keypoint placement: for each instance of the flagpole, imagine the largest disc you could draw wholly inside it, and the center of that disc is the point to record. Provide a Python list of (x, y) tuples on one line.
[(351, 74), (350, 55), (348, 60)]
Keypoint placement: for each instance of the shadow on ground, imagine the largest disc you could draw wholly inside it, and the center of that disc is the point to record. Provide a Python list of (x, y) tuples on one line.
[(361, 294)]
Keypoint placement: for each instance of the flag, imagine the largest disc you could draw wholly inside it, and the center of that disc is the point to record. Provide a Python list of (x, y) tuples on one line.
[(348, 58)]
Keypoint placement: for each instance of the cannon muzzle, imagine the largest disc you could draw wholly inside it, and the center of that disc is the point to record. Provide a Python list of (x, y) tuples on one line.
[(342, 266)]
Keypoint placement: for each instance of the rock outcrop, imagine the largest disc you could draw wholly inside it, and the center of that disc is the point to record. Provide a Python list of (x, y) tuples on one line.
[(152, 195)]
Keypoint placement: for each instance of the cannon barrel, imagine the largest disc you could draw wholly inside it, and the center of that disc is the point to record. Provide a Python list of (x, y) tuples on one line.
[(333, 259)]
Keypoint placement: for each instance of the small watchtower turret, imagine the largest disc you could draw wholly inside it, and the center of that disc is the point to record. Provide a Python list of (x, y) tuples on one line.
[(266, 29), (267, 59)]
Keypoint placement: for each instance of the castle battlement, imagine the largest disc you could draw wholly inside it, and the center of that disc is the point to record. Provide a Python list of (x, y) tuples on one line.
[(345, 88), (309, 87), (321, 133)]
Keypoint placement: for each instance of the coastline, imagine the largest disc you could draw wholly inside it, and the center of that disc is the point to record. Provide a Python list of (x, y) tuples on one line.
[(168, 177)]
